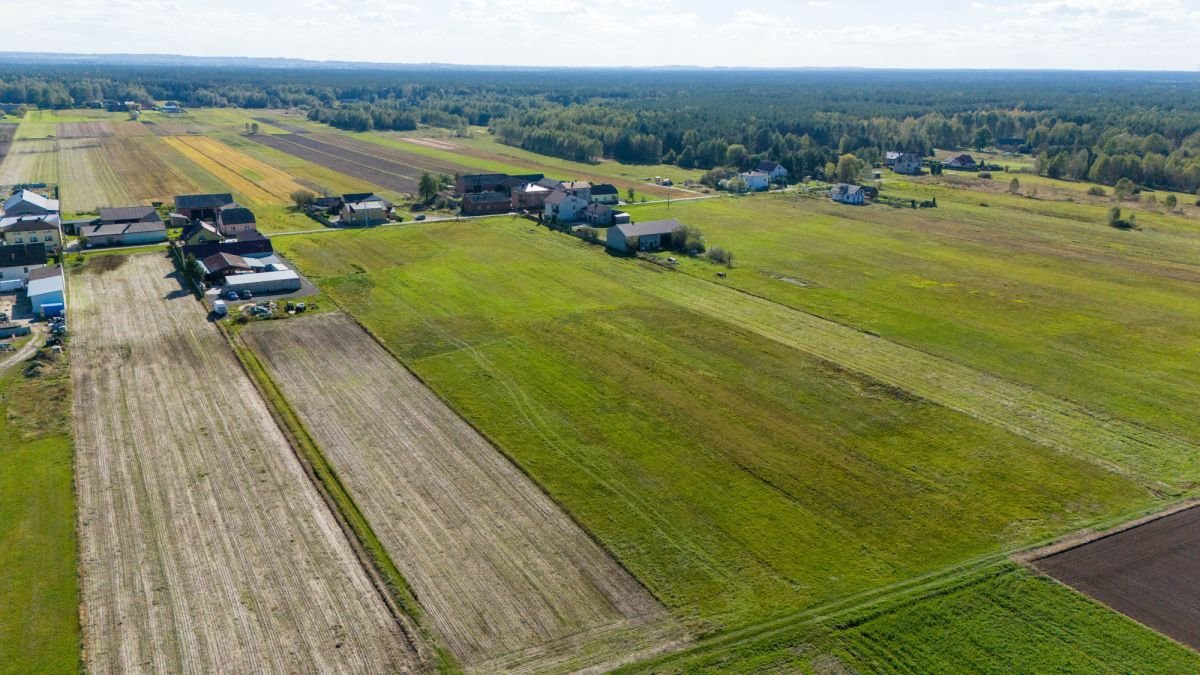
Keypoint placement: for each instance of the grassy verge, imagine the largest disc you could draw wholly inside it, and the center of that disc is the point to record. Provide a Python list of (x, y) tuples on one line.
[(39, 602), (336, 492)]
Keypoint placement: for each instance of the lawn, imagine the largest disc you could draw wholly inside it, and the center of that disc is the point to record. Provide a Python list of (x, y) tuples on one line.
[(739, 478), (1001, 620), (39, 618), (1039, 293)]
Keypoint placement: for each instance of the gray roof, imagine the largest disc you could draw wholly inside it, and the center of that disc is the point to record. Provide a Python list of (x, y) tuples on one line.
[(210, 201), (31, 197), (485, 197), (128, 214), (649, 227), (19, 255), (604, 189), (45, 272), (236, 215), (767, 166), (28, 224), (112, 229)]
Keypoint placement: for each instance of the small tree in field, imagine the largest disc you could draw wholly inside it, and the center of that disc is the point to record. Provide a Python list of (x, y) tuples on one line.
[(428, 187), (1014, 186), (302, 198), (1124, 189), (254, 127), (629, 194), (1172, 201)]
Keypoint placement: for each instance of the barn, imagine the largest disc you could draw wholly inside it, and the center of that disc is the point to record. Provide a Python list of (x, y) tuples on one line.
[(260, 283)]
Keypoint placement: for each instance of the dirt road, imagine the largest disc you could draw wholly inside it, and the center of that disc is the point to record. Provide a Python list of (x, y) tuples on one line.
[(204, 547), (509, 581)]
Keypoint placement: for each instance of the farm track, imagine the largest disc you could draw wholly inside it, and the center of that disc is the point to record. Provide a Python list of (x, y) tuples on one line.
[(389, 169), (203, 545), (506, 578), (1114, 444)]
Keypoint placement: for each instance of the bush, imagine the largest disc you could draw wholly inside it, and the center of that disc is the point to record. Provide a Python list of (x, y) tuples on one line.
[(720, 255), (986, 175), (1096, 191), (1172, 201), (302, 198), (687, 239)]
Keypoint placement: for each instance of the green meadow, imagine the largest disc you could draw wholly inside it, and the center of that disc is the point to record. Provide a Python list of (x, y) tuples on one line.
[(1040, 293), (39, 616), (740, 473)]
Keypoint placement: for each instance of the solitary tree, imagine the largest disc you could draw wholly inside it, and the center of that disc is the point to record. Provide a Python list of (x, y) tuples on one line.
[(1014, 186), (1114, 216), (1124, 188), (302, 198), (254, 127), (428, 187), (983, 138), (1172, 201), (629, 193), (848, 168)]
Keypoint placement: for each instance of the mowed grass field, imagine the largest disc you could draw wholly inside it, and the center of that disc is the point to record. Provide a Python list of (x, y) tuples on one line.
[(1001, 620), (1038, 293), (87, 177), (737, 475), (30, 162), (39, 613)]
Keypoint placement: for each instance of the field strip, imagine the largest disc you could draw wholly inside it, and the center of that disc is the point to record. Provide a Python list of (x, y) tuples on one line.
[(203, 545), (505, 577), (88, 179), (1064, 426), (386, 154), (271, 186)]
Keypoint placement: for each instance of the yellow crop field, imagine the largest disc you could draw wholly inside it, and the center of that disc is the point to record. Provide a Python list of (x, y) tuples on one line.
[(254, 181)]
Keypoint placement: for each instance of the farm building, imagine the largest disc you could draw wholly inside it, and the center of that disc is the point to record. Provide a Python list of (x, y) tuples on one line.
[(513, 182), (45, 290), (648, 236), (29, 203), (117, 215), (249, 243), (233, 220), (604, 193), (17, 261), (529, 197), (9, 329), (485, 203), (756, 181), (563, 207), (124, 234), (364, 209), (480, 182), (909, 164), (218, 266), (201, 207), (31, 229), (962, 162), (277, 281), (774, 170), (845, 193)]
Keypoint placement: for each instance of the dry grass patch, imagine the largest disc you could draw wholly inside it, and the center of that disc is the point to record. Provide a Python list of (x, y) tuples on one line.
[(203, 545)]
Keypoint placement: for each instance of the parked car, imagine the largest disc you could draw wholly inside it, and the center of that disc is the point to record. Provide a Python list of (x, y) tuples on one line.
[(231, 295), (419, 216), (246, 294)]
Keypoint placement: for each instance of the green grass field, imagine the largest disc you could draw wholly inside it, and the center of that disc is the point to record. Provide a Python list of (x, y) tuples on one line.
[(39, 616), (739, 478), (1001, 620), (1040, 293)]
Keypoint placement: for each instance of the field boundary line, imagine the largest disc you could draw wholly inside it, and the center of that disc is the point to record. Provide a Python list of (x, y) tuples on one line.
[(1030, 557), (389, 583), (517, 465)]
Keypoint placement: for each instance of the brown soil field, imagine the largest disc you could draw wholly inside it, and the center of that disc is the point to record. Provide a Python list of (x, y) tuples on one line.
[(141, 164), (83, 130), (384, 167), (506, 578), (1148, 572), (204, 546), (275, 122)]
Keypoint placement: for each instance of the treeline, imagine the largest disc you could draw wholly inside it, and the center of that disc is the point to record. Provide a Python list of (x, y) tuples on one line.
[(1099, 126)]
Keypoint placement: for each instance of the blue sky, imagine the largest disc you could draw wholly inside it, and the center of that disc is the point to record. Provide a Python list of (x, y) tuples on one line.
[(1080, 34)]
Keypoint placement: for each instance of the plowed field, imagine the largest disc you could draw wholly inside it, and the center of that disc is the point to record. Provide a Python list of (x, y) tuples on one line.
[(204, 547)]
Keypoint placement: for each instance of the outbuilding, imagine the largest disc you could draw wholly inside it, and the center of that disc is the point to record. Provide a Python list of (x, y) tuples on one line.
[(45, 289), (282, 281), (648, 236)]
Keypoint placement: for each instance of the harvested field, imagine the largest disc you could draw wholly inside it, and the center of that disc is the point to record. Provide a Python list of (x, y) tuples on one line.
[(87, 177), (507, 579), (30, 162), (254, 181), (275, 122), (143, 167), (84, 130), (382, 166), (1147, 572), (7, 131), (203, 545)]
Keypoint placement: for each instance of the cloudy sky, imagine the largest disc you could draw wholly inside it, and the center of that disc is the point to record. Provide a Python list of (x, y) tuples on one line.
[(1081, 34)]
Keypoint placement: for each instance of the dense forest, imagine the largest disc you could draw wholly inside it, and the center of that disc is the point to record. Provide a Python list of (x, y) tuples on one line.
[(1144, 127)]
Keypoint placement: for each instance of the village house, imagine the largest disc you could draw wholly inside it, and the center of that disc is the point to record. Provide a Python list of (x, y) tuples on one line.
[(530, 197), (202, 207), (962, 162), (563, 207), (891, 157), (365, 209), (199, 232), (756, 181), (845, 193), (909, 164), (18, 260), (31, 229), (605, 193), (45, 291), (479, 182), (603, 215), (774, 170), (30, 203), (648, 236), (513, 182), (579, 188), (249, 243), (485, 203), (233, 220)]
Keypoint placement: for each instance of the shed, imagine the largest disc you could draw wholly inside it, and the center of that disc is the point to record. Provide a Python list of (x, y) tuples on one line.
[(650, 235), (284, 281), (45, 288)]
